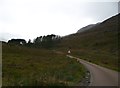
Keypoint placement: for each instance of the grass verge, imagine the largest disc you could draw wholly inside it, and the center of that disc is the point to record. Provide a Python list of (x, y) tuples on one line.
[(101, 58)]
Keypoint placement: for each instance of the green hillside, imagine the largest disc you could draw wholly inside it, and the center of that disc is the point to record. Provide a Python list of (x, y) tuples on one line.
[(30, 65), (98, 45)]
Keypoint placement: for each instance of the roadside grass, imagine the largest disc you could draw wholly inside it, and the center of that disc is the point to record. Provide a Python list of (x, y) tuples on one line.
[(99, 46), (99, 57), (102, 58), (24, 66)]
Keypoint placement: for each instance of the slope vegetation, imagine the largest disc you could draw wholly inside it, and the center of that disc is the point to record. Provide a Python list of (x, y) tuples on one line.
[(98, 44)]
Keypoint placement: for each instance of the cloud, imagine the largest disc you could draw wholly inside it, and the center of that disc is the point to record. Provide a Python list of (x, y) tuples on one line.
[(32, 18), (6, 36)]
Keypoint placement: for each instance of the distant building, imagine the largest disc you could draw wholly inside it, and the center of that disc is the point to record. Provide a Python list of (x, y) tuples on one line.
[(69, 51), (21, 43)]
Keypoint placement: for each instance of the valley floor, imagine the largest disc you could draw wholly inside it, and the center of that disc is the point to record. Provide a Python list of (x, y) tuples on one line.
[(23, 66)]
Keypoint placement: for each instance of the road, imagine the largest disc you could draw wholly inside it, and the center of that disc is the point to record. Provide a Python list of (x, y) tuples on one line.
[(100, 76)]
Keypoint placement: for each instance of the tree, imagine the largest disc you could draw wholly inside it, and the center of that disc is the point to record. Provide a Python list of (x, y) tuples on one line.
[(38, 40), (29, 41), (48, 41), (17, 41)]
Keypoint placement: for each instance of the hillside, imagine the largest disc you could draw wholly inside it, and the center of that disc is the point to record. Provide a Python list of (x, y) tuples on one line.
[(99, 44), (91, 26)]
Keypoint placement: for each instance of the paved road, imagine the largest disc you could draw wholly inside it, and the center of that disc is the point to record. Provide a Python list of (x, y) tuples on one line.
[(100, 76)]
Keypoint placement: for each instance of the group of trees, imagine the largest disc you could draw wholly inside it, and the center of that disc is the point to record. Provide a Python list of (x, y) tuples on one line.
[(17, 41), (48, 41)]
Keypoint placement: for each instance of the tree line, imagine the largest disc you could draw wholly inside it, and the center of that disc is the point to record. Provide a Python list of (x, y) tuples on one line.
[(48, 41)]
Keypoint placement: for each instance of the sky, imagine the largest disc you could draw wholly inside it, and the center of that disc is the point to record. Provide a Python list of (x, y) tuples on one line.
[(29, 19)]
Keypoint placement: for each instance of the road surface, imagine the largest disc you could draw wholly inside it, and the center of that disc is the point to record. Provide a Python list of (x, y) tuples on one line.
[(100, 76)]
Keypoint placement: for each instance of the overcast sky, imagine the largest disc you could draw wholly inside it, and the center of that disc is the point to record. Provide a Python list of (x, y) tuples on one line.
[(31, 18)]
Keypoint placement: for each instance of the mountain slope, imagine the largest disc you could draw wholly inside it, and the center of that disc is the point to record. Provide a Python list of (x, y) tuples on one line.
[(99, 44), (87, 27), (105, 35)]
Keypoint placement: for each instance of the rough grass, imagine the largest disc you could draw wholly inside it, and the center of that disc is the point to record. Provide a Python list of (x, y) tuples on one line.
[(99, 46), (104, 59), (34, 67)]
